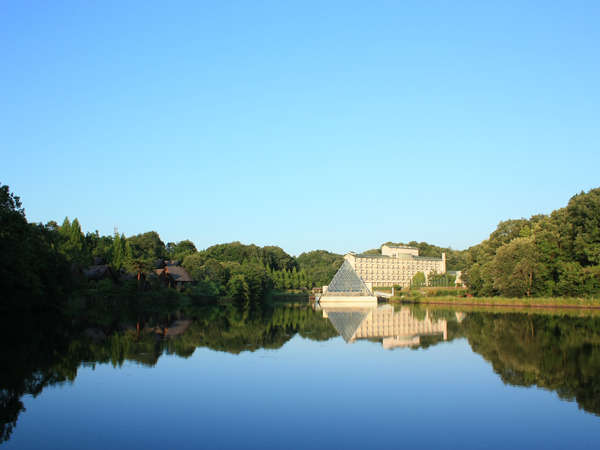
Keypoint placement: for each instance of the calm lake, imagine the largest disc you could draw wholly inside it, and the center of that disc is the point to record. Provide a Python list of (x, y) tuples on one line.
[(300, 376)]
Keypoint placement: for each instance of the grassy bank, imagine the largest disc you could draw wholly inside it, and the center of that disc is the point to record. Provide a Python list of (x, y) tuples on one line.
[(537, 302), (546, 311)]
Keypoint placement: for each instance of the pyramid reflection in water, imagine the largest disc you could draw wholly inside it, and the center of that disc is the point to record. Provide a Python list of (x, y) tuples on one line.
[(396, 328)]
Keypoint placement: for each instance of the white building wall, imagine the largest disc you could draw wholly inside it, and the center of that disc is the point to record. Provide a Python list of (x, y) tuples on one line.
[(382, 270), (398, 251)]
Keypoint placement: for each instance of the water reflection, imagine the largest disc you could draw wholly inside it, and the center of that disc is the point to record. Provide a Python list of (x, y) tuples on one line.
[(394, 327), (557, 351)]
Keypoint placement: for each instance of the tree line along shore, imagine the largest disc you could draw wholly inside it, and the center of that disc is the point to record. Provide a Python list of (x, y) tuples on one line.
[(555, 257)]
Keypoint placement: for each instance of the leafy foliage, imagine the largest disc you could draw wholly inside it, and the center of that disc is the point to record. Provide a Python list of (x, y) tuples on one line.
[(554, 255), (320, 266), (41, 256), (147, 246), (178, 251), (35, 274), (418, 280)]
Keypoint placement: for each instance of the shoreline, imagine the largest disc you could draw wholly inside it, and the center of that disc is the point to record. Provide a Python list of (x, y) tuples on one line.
[(493, 304)]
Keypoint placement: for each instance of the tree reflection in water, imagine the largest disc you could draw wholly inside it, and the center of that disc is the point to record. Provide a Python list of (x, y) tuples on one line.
[(560, 352)]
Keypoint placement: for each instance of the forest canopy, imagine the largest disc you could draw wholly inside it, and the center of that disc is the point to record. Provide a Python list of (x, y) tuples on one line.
[(547, 255)]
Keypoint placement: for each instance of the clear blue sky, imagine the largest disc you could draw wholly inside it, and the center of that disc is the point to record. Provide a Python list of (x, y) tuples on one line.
[(334, 125)]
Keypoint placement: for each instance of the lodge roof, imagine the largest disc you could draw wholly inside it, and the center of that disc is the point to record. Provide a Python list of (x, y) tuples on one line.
[(178, 273), (98, 272)]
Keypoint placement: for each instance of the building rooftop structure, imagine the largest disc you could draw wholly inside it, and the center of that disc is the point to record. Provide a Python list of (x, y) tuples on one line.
[(376, 256), (401, 246), (99, 272), (179, 274), (175, 276)]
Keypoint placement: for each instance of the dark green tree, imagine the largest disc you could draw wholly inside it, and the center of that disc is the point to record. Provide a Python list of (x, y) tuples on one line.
[(180, 250), (147, 246), (238, 288), (418, 280)]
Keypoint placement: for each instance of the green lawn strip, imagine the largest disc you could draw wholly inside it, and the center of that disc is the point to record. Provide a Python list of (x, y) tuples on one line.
[(551, 311), (534, 302)]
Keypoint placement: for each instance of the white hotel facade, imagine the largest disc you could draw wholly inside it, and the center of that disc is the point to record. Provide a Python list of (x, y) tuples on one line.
[(396, 266)]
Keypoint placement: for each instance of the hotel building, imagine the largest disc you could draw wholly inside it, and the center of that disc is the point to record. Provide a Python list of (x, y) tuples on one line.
[(396, 265)]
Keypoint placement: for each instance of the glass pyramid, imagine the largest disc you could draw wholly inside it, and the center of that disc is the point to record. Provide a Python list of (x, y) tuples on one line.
[(347, 280)]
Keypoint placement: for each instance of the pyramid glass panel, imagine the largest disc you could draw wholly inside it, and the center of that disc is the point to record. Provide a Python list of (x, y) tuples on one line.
[(347, 280)]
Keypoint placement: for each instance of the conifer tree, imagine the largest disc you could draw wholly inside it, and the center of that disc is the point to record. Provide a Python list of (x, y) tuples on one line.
[(72, 242), (304, 279), (121, 252)]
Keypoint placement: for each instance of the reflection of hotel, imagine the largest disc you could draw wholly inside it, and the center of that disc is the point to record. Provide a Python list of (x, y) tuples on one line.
[(395, 328), (396, 265)]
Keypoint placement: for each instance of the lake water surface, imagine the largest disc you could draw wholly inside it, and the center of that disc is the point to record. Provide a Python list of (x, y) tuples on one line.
[(293, 376)]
